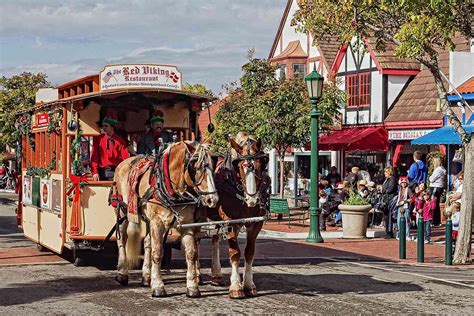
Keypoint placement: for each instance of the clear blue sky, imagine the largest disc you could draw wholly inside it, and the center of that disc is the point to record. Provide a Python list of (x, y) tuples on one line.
[(68, 39)]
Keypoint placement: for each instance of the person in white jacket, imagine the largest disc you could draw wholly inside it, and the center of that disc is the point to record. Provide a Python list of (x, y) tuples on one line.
[(437, 186)]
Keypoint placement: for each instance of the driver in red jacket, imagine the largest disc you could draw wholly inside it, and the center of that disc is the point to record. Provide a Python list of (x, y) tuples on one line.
[(108, 150)]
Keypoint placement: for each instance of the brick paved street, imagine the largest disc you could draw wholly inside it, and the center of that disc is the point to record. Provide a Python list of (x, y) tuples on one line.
[(338, 276)]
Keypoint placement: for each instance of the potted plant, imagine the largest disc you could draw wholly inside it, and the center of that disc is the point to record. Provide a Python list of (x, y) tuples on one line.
[(355, 211)]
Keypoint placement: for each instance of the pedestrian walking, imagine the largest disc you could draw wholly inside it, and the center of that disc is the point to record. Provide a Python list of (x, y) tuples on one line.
[(402, 203)]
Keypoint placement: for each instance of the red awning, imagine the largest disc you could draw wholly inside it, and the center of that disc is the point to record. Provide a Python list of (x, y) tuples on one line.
[(355, 139)]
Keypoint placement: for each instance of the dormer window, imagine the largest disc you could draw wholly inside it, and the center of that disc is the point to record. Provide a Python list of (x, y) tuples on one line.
[(299, 70), (358, 89)]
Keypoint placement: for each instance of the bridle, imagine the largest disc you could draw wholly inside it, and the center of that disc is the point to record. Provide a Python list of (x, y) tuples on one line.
[(247, 162), (198, 161)]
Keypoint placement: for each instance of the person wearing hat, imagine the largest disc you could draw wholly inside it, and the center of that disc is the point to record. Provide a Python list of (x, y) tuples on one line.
[(150, 142), (362, 188), (386, 203), (108, 149)]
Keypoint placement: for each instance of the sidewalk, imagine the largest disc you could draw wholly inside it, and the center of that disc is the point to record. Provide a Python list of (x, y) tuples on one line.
[(374, 247)]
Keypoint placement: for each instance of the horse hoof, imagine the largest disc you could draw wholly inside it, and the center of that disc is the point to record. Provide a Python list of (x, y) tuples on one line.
[(193, 293), (251, 292), (159, 292), (217, 281), (122, 279), (236, 294), (146, 281)]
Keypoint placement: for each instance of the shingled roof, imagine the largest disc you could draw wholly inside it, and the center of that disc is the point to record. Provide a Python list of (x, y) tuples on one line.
[(328, 49), (466, 87), (387, 58), (418, 101)]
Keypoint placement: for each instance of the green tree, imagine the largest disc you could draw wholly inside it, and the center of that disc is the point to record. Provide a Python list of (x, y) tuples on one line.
[(198, 88), (419, 29), (17, 93), (277, 111)]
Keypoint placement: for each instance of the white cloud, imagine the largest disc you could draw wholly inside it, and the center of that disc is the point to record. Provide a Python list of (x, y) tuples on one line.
[(67, 39)]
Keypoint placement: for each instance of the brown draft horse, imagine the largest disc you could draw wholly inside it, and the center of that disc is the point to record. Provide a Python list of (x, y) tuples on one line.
[(243, 185), (190, 171)]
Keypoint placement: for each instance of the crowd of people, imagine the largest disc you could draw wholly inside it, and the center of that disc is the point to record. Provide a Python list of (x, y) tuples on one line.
[(418, 194)]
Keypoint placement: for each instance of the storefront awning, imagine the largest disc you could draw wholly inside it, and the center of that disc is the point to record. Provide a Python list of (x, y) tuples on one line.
[(442, 136), (356, 139)]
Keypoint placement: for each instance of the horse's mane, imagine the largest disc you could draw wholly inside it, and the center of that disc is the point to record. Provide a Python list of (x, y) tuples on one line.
[(241, 138)]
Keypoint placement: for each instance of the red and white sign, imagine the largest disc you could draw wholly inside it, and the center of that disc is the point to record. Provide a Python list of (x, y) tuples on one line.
[(140, 76), (42, 119), (407, 134)]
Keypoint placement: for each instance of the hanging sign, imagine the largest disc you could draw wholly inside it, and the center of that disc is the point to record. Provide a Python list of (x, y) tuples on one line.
[(407, 134), (41, 120), (140, 76)]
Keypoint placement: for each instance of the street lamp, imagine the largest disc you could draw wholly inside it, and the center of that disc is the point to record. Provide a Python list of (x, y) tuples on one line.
[(314, 82)]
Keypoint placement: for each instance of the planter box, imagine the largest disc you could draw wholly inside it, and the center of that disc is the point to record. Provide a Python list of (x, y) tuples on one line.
[(354, 220)]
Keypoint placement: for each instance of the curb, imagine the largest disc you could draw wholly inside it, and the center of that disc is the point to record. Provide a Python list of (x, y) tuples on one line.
[(326, 235)]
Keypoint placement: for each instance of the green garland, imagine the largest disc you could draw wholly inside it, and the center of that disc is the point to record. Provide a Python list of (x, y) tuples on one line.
[(55, 119), (41, 172), (23, 127), (77, 168)]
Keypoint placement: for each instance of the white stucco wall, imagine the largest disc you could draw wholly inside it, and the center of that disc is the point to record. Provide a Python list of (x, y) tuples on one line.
[(395, 85), (289, 32), (376, 97), (461, 67)]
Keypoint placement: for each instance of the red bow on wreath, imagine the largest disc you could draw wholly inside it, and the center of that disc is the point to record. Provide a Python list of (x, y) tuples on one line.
[(76, 182)]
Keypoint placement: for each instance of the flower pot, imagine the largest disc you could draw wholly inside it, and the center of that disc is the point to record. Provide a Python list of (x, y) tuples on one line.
[(354, 220)]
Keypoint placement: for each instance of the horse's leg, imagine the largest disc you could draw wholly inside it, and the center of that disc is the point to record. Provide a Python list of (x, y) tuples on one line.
[(157, 230), (216, 269), (146, 269), (198, 264), (235, 290), (122, 267), (250, 289), (189, 245)]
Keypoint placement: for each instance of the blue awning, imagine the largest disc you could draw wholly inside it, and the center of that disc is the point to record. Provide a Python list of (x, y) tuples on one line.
[(442, 136)]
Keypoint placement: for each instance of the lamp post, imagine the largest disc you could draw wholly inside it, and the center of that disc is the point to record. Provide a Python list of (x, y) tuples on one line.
[(314, 82)]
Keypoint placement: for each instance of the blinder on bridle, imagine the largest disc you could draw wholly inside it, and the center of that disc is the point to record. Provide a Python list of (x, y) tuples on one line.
[(262, 157)]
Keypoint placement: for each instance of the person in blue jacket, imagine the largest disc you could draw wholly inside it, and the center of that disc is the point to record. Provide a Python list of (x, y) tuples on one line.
[(418, 171)]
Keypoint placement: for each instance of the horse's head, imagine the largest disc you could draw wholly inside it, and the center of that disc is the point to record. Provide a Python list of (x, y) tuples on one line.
[(249, 162), (199, 173)]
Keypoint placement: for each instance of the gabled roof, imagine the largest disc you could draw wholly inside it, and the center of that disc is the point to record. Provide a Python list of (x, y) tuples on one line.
[(466, 87), (418, 102), (293, 50), (280, 28), (386, 61), (328, 49)]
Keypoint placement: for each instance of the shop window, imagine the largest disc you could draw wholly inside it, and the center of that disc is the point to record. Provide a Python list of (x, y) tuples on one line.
[(299, 70), (358, 89)]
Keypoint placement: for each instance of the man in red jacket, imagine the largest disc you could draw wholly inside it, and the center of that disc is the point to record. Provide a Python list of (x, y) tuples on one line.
[(108, 150)]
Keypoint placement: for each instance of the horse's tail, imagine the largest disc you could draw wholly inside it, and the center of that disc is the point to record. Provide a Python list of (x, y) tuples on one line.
[(134, 244)]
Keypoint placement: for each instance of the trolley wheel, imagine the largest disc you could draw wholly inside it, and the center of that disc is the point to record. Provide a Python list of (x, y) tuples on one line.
[(41, 248), (79, 258)]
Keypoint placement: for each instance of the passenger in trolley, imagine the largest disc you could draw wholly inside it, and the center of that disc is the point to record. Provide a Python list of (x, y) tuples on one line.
[(108, 149), (150, 142)]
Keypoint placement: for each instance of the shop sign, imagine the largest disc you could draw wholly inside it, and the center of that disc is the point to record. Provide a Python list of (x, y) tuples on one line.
[(407, 134), (41, 120), (140, 76)]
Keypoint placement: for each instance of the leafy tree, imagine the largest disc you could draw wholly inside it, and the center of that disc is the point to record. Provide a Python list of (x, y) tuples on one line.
[(419, 29), (277, 111), (197, 88), (17, 93)]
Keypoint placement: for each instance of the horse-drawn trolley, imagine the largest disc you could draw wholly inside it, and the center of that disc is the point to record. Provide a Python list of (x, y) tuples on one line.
[(61, 203)]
